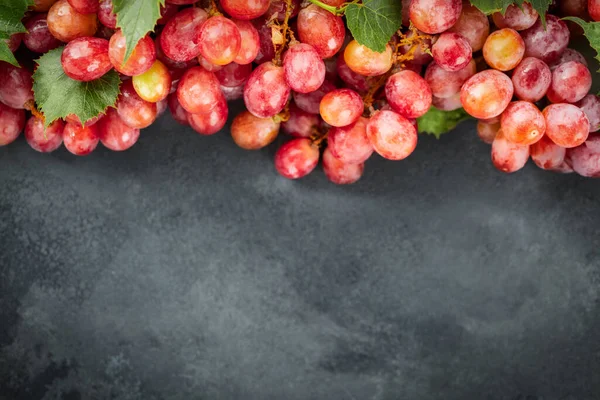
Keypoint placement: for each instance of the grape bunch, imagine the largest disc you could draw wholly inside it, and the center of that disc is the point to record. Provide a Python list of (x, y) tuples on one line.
[(298, 69)]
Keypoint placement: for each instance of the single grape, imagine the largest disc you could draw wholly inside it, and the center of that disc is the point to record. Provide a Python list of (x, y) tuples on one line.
[(422, 54), (277, 9), (153, 85), (300, 123), (234, 75), (339, 172), (38, 37), (14, 41), (297, 158), (220, 40), (594, 9), (199, 91), (115, 134), (452, 51), (179, 114), (266, 50), (167, 12), (180, 38), (140, 61), (266, 91), (590, 105), (15, 86), (321, 29), (585, 159), (341, 107), (473, 25), (448, 104), (211, 123), (85, 6), (66, 24), (134, 111), (486, 94), (546, 154), (392, 136), (566, 124), (516, 17), (244, 9), (531, 79), (86, 59), (571, 81), (487, 132), (434, 16), (44, 140), (12, 122), (106, 15), (350, 144), (444, 84), (522, 123), (172, 64), (504, 49), (367, 62), (311, 102), (250, 44), (233, 93), (547, 43), (80, 140), (408, 94), (507, 156), (304, 69), (353, 79), (568, 55), (42, 5), (253, 133)]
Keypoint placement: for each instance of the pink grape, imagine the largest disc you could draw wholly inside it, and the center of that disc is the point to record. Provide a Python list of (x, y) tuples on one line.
[(250, 44), (473, 25), (233, 75), (277, 9), (199, 91), (172, 64), (434, 16), (341, 107), (220, 40), (140, 61), (548, 43), (486, 94), (590, 105), (38, 37), (106, 15), (233, 93), (507, 156), (353, 79), (571, 81), (74, 119), (546, 154), (594, 9), (566, 124), (86, 59), (568, 55), (134, 111), (487, 132), (339, 172), (85, 6), (115, 134), (266, 50), (321, 29), (444, 84), (311, 102), (44, 140), (392, 135), (167, 12), (207, 65), (420, 55), (367, 62), (408, 94), (66, 24), (179, 114), (531, 79), (300, 123), (452, 51), (448, 104), (252, 133), (585, 159), (80, 140), (516, 17), (266, 91), (180, 38), (296, 158), (212, 122), (522, 123), (12, 122), (350, 144), (15, 86), (504, 49), (244, 9), (304, 69)]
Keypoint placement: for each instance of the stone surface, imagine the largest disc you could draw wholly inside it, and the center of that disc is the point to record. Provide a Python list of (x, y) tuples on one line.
[(186, 268)]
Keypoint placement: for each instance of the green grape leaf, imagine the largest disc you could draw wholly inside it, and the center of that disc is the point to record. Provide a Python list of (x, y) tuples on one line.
[(136, 18), (437, 122), (57, 95), (374, 22), (591, 30), (11, 14), (493, 6)]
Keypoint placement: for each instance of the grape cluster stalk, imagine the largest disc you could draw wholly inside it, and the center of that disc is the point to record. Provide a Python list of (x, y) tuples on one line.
[(299, 70)]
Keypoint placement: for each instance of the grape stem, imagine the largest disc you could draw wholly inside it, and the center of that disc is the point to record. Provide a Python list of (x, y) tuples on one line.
[(285, 32), (337, 11), (213, 9), (284, 115), (318, 137)]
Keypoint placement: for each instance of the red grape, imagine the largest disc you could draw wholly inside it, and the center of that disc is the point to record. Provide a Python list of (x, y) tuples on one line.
[(179, 114), (80, 140), (353, 79), (134, 111), (42, 5), (392, 135), (504, 49), (311, 102), (233, 75), (14, 41), (15, 86), (585, 159), (12, 122), (594, 9), (167, 12), (452, 51), (212, 122), (516, 17), (507, 156), (434, 16), (233, 93), (422, 54), (115, 134), (66, 24), (341, 107), (447, 104), (250, 44), (140, 61), (444, 84), (86, 59), (180, 38), (486, 94), (266, 91), (304, 69), (253, 133), (339, 172), (182, 2), (220, 40), (321, 29), (547, 43), (350, 144), (106, 15), (199, 91), (546, 154), (367, 62), (300, 123), (207, 65), (531, 79), (522, 123), (153, 85), (487, 132), (172, 64), (277, 9), (85, 6), (266, 50), (568, 55), (44, 140), (566, 124), (74, 119), (297, 158), (590, 105), (161, 107), (408, 94), (244, 9), (473, 25), (38, 37), (571, 81)]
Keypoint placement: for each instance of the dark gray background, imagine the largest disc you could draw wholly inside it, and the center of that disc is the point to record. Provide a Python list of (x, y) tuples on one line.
[(186, 268)]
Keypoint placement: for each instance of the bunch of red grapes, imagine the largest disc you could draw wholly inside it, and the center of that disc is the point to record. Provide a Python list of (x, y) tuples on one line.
[(298, 69)]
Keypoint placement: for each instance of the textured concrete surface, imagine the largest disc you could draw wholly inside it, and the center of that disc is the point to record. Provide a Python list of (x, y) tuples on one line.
[(187, 269)]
